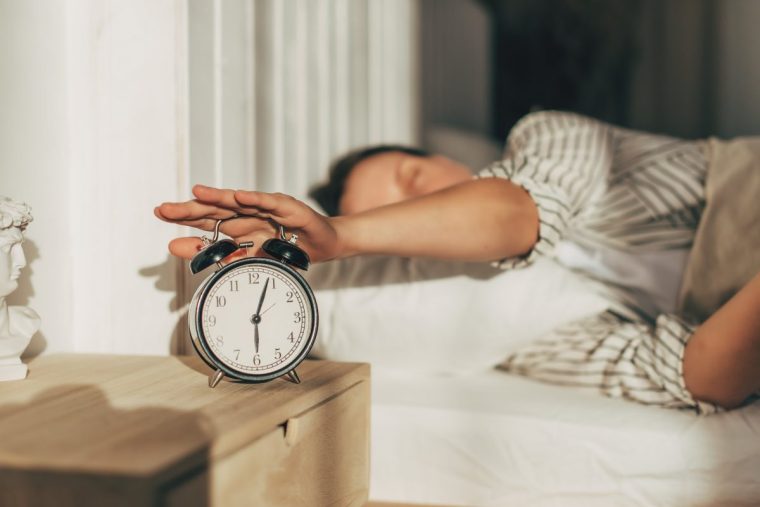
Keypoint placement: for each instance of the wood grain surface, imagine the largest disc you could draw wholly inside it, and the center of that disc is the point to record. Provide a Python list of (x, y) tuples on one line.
[(130, 423)]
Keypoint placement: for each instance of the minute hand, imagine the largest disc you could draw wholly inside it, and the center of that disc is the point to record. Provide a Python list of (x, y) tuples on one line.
[(261, 299)]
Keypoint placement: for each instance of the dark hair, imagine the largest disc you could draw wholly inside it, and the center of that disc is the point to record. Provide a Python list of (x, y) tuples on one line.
[(328, 194)]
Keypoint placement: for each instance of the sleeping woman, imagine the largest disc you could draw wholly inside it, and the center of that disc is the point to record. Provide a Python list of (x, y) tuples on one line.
[(619, 205)]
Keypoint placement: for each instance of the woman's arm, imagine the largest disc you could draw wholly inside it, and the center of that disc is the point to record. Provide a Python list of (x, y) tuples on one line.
[(478, 220), (562, 159), (722, 359)]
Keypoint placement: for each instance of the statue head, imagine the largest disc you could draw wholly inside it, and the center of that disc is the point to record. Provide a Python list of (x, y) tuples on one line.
[(14, 217)]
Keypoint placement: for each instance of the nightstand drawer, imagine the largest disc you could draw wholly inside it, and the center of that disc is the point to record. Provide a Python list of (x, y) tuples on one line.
[(319, 457)]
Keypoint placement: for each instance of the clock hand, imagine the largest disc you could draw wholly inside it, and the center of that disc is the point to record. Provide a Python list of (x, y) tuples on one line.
[(261, 299), (257, 317), (270, 307), (256, 335)]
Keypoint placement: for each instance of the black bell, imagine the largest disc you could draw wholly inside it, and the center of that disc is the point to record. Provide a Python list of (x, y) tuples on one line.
[(287, 252), (212, 254)]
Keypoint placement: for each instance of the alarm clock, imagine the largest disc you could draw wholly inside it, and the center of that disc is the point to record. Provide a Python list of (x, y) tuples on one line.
[(254, 319)]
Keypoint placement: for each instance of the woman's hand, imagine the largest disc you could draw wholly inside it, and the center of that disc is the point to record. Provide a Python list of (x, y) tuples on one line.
[(437, 225), (316, 234)]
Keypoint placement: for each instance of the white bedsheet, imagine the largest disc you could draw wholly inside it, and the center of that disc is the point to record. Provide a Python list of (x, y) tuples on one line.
[(500, 440)]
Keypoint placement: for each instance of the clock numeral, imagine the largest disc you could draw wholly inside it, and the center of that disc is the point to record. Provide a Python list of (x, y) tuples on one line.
[(277, 354), (289, 295), (297, 317), (212, 320), (256, 360), (234, 286), (253, 278), (237, 354), (220, 340), (221, 301), (291, 338)]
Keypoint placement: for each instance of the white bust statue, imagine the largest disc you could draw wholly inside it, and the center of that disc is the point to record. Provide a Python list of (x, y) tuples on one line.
[(17, 323)]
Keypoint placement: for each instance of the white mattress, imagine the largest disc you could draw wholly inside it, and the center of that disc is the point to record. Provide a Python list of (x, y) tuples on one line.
[(496, 439)]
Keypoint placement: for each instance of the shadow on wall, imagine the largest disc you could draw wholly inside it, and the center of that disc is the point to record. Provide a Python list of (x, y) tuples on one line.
[(23, 295), (173, 276), (167, 278), (166, 275)]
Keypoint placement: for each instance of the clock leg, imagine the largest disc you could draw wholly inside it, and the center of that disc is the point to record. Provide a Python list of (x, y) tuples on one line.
[(293, 376), (215, 378)]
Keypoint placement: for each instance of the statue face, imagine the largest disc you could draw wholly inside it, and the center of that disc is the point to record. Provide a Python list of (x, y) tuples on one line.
[(12, 260)]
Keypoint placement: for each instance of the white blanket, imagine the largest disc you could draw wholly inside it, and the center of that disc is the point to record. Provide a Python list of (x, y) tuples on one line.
[(443, 317), (493, 439)]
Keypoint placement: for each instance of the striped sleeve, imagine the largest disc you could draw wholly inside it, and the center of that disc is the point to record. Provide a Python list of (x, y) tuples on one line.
[(563, 161), (620, 358)]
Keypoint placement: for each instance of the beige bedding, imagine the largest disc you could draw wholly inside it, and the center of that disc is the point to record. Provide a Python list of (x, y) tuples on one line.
[(726, 251)]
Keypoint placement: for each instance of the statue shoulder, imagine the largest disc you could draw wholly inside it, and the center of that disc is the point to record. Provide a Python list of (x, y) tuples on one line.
[(23, 320)]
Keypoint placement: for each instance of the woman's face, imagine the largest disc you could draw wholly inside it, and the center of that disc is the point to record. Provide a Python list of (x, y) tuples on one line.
[(12, 260), (394, 176)]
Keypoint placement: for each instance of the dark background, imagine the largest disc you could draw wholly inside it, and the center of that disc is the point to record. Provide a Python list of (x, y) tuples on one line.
[(689, 68)]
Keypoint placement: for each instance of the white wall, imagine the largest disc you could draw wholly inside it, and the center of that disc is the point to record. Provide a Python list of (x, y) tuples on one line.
[(93, 95), (34, 155)]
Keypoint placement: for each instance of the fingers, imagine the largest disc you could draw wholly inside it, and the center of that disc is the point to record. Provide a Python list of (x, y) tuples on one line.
[(274, 203), (185, 247), (252, 203), (203, 223), (181, 212), (213, 204), (284, 209), (220, 197), (225, 198), (198, 213)]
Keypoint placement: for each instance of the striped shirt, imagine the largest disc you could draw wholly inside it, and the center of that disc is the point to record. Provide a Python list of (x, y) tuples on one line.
[(608, 189)]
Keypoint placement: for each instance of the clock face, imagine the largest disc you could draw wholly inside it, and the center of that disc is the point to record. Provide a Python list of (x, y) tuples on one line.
[(257, 318)]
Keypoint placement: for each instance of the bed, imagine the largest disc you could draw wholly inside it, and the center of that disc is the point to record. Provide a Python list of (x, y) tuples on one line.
[(449, 429), (494, 439)]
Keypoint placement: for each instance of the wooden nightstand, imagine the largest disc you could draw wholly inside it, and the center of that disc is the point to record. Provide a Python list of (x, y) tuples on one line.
[(113, 431)]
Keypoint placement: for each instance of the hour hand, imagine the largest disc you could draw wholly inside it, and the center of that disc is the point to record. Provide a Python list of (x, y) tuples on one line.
[(256, 335)]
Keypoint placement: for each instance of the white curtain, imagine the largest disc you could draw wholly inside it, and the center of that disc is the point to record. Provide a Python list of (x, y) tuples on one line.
[(280, 87)]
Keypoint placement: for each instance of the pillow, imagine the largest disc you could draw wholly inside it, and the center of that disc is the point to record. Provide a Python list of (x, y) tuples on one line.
[(441, 317), (724, 256), (468, 147)]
